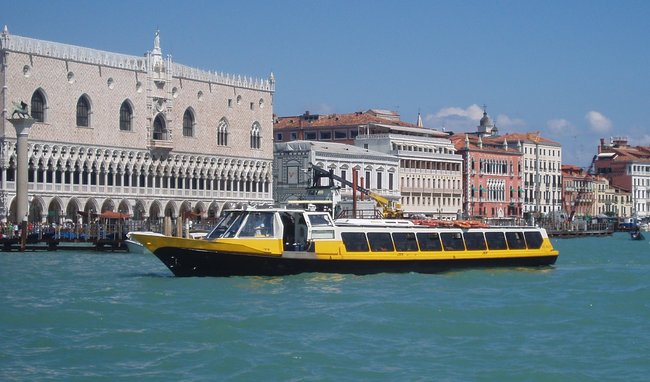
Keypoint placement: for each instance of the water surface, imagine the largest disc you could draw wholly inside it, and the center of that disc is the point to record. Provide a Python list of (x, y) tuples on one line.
[(79, 316)]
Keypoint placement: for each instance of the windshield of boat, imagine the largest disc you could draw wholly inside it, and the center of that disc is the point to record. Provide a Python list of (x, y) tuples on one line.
[(320, 220), (226, 222)]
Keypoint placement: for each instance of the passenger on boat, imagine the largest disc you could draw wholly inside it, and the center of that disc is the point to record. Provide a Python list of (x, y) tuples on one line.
[(258, 225)]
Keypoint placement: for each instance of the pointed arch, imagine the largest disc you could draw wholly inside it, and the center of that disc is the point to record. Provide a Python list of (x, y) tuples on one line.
[(39, 105), (188, 122), (108, 205), (124, 207), (171, 209), (155, 210), (84, 111), (256, 135), (126, 115), (222, 132), (36, 209), (159, 127), (72, 208), (55, 210)]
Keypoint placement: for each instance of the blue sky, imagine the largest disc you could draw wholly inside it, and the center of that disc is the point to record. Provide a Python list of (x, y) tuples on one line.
[(574, 70)]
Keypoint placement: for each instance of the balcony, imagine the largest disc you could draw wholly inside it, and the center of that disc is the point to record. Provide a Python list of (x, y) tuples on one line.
[(160, 145)]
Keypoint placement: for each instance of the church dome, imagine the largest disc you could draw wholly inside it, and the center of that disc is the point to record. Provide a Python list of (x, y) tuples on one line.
[(485, 121)]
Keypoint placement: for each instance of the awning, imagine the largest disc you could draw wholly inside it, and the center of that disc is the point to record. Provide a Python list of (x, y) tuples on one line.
[(190, 214), (113, 215)]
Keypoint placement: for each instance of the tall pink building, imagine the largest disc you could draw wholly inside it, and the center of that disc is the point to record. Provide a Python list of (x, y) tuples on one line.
[(492, 183)]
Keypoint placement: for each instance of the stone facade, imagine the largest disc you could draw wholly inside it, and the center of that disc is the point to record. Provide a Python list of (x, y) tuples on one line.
[(430, 170), (430, 174), (492, 177), (542, 172), (141, 135), (292, 161), (627, 167), (611, 201), (578, 191)]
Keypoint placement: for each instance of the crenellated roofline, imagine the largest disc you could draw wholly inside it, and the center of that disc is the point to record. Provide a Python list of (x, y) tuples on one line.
[(27, 45)]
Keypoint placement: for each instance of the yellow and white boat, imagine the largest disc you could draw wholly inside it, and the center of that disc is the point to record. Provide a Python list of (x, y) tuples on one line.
[(284, 241)]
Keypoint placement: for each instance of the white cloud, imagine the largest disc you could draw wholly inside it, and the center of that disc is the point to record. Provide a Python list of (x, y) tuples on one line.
[(560, 126), (598, 123), (505, 121), (467, 119), (472, 112)]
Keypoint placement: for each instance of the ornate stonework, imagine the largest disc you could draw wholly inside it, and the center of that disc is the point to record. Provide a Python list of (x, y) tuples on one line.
[(146, 144)]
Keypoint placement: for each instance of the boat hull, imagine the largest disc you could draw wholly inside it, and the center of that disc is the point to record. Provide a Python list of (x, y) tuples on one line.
[(192, 262)]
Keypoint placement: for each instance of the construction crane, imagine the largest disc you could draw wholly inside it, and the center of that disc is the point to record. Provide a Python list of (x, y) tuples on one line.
[(582, 190), (389, 209)]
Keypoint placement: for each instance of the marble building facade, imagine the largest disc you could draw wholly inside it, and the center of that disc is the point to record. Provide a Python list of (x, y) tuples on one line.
[(141, 135)]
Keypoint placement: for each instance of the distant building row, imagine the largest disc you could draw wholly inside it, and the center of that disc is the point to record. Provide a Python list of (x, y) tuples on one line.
[(430, 172)]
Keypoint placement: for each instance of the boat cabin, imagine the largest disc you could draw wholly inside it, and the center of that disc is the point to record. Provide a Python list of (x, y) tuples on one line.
[(296, 228)]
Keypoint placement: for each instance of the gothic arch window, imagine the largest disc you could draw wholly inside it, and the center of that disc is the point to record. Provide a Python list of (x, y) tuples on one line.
[(159, 129), (38, 106), (126, 116), (83, 111), (256, 139), (188, 123), (222, 132)]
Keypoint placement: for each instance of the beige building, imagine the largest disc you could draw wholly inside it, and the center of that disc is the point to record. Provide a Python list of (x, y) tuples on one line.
[(430, 171), (611, 200), (541, 170), (141, 135)]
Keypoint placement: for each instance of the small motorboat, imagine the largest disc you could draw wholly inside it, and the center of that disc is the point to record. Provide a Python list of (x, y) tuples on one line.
[(636, 234), (135, 246)]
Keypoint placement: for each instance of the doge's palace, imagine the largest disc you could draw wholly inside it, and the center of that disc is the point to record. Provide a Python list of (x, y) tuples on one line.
[(141, 135)]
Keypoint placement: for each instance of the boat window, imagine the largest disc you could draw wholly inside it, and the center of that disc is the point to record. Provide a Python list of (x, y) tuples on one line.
[(533, 239), (319, 220), (496, 240), (452, 241), (234, 227), (474, 241), (355, 241), (429, 241), (405, 241), (516, 240), (380, 242), (224, 223), (258, 224)]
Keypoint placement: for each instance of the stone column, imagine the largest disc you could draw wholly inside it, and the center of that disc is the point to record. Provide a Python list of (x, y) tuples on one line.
[(22, 126)]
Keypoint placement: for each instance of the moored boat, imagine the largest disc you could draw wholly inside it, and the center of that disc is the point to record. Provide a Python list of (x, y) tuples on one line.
[(135, 246), (284, 241)]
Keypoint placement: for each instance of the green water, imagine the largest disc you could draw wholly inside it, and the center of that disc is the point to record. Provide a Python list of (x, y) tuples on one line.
[(73, 316)]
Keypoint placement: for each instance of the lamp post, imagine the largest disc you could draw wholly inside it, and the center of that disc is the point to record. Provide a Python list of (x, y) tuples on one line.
[(22, 126)]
